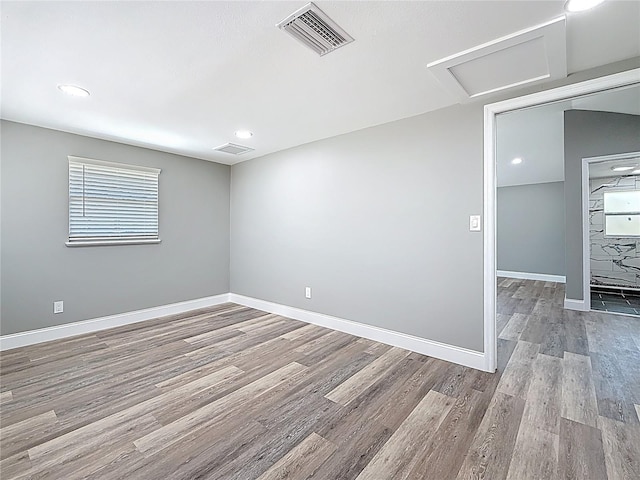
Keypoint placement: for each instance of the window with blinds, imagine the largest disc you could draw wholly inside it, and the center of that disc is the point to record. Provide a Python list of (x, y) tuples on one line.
[(622, 213), (112, 203)]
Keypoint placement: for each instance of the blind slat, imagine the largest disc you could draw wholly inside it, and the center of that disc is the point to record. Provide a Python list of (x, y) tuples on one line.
[(112, 201)]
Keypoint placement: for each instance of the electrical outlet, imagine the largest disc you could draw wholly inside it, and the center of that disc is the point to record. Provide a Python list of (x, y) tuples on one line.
[(58, 307), (307, 292)]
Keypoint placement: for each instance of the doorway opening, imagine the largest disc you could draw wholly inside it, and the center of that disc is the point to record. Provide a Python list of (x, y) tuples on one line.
[(611, 233), (568, 93)]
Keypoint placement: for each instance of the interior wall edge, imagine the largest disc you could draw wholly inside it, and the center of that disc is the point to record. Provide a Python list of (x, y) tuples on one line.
[(575, 304)]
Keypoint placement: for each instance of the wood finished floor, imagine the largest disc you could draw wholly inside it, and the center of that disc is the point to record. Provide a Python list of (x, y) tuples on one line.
[(233, 393)]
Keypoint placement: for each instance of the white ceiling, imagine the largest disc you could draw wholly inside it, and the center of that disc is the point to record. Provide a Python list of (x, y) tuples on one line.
[(603, 169), (537, 136), (183, 76)]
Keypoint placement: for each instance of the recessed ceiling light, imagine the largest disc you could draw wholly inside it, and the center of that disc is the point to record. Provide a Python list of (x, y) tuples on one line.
[(244, 134), (74, 90), (516, 161), (581, 5), (623, 168)]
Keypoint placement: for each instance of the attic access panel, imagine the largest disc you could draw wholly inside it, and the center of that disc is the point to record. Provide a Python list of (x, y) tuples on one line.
[(528, 56)]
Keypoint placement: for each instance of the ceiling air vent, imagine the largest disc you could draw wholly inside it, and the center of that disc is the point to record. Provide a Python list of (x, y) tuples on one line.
[(315, 29), (233, 149)]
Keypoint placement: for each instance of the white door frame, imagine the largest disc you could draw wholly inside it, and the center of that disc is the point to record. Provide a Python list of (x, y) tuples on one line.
[(586, 244), (629, 77)]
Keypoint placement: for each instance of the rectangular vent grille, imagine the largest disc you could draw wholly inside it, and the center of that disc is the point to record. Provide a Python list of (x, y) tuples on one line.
[(315, 29), (233, 149)]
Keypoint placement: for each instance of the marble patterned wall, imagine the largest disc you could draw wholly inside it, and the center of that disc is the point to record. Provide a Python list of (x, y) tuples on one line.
[(614, 261)]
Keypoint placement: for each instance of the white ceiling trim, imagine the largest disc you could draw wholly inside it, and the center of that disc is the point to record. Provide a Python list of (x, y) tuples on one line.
[(528, 56)]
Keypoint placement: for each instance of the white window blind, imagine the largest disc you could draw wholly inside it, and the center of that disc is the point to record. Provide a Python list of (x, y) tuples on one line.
[(112, 203)]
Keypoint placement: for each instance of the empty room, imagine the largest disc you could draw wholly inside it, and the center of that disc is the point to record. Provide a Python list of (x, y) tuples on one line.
[(372, 240)]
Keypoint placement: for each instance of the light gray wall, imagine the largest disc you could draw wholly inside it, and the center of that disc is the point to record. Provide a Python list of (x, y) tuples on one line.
[(530, 228), (375, 221), (37, 268), (588, 134), (391, 248)]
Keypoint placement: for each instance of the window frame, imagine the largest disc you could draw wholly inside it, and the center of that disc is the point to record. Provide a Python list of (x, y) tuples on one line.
[(106, 241)]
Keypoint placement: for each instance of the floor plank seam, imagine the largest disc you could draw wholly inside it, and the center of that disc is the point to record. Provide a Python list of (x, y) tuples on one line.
[(232, 392)]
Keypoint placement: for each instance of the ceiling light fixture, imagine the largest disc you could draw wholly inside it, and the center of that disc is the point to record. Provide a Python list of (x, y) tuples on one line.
[(581, 5), (74, 90), (623, 168), (516, 161), (243, 134)]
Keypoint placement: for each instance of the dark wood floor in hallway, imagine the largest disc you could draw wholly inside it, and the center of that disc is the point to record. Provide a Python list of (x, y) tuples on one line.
[(234, 393)]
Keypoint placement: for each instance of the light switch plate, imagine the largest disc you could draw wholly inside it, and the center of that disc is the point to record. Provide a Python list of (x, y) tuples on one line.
[(475, 224)]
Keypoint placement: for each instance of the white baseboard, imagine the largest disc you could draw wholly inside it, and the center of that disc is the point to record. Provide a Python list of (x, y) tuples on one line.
[(31, 337), (532, 276), (572, 304), (450, 353)]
